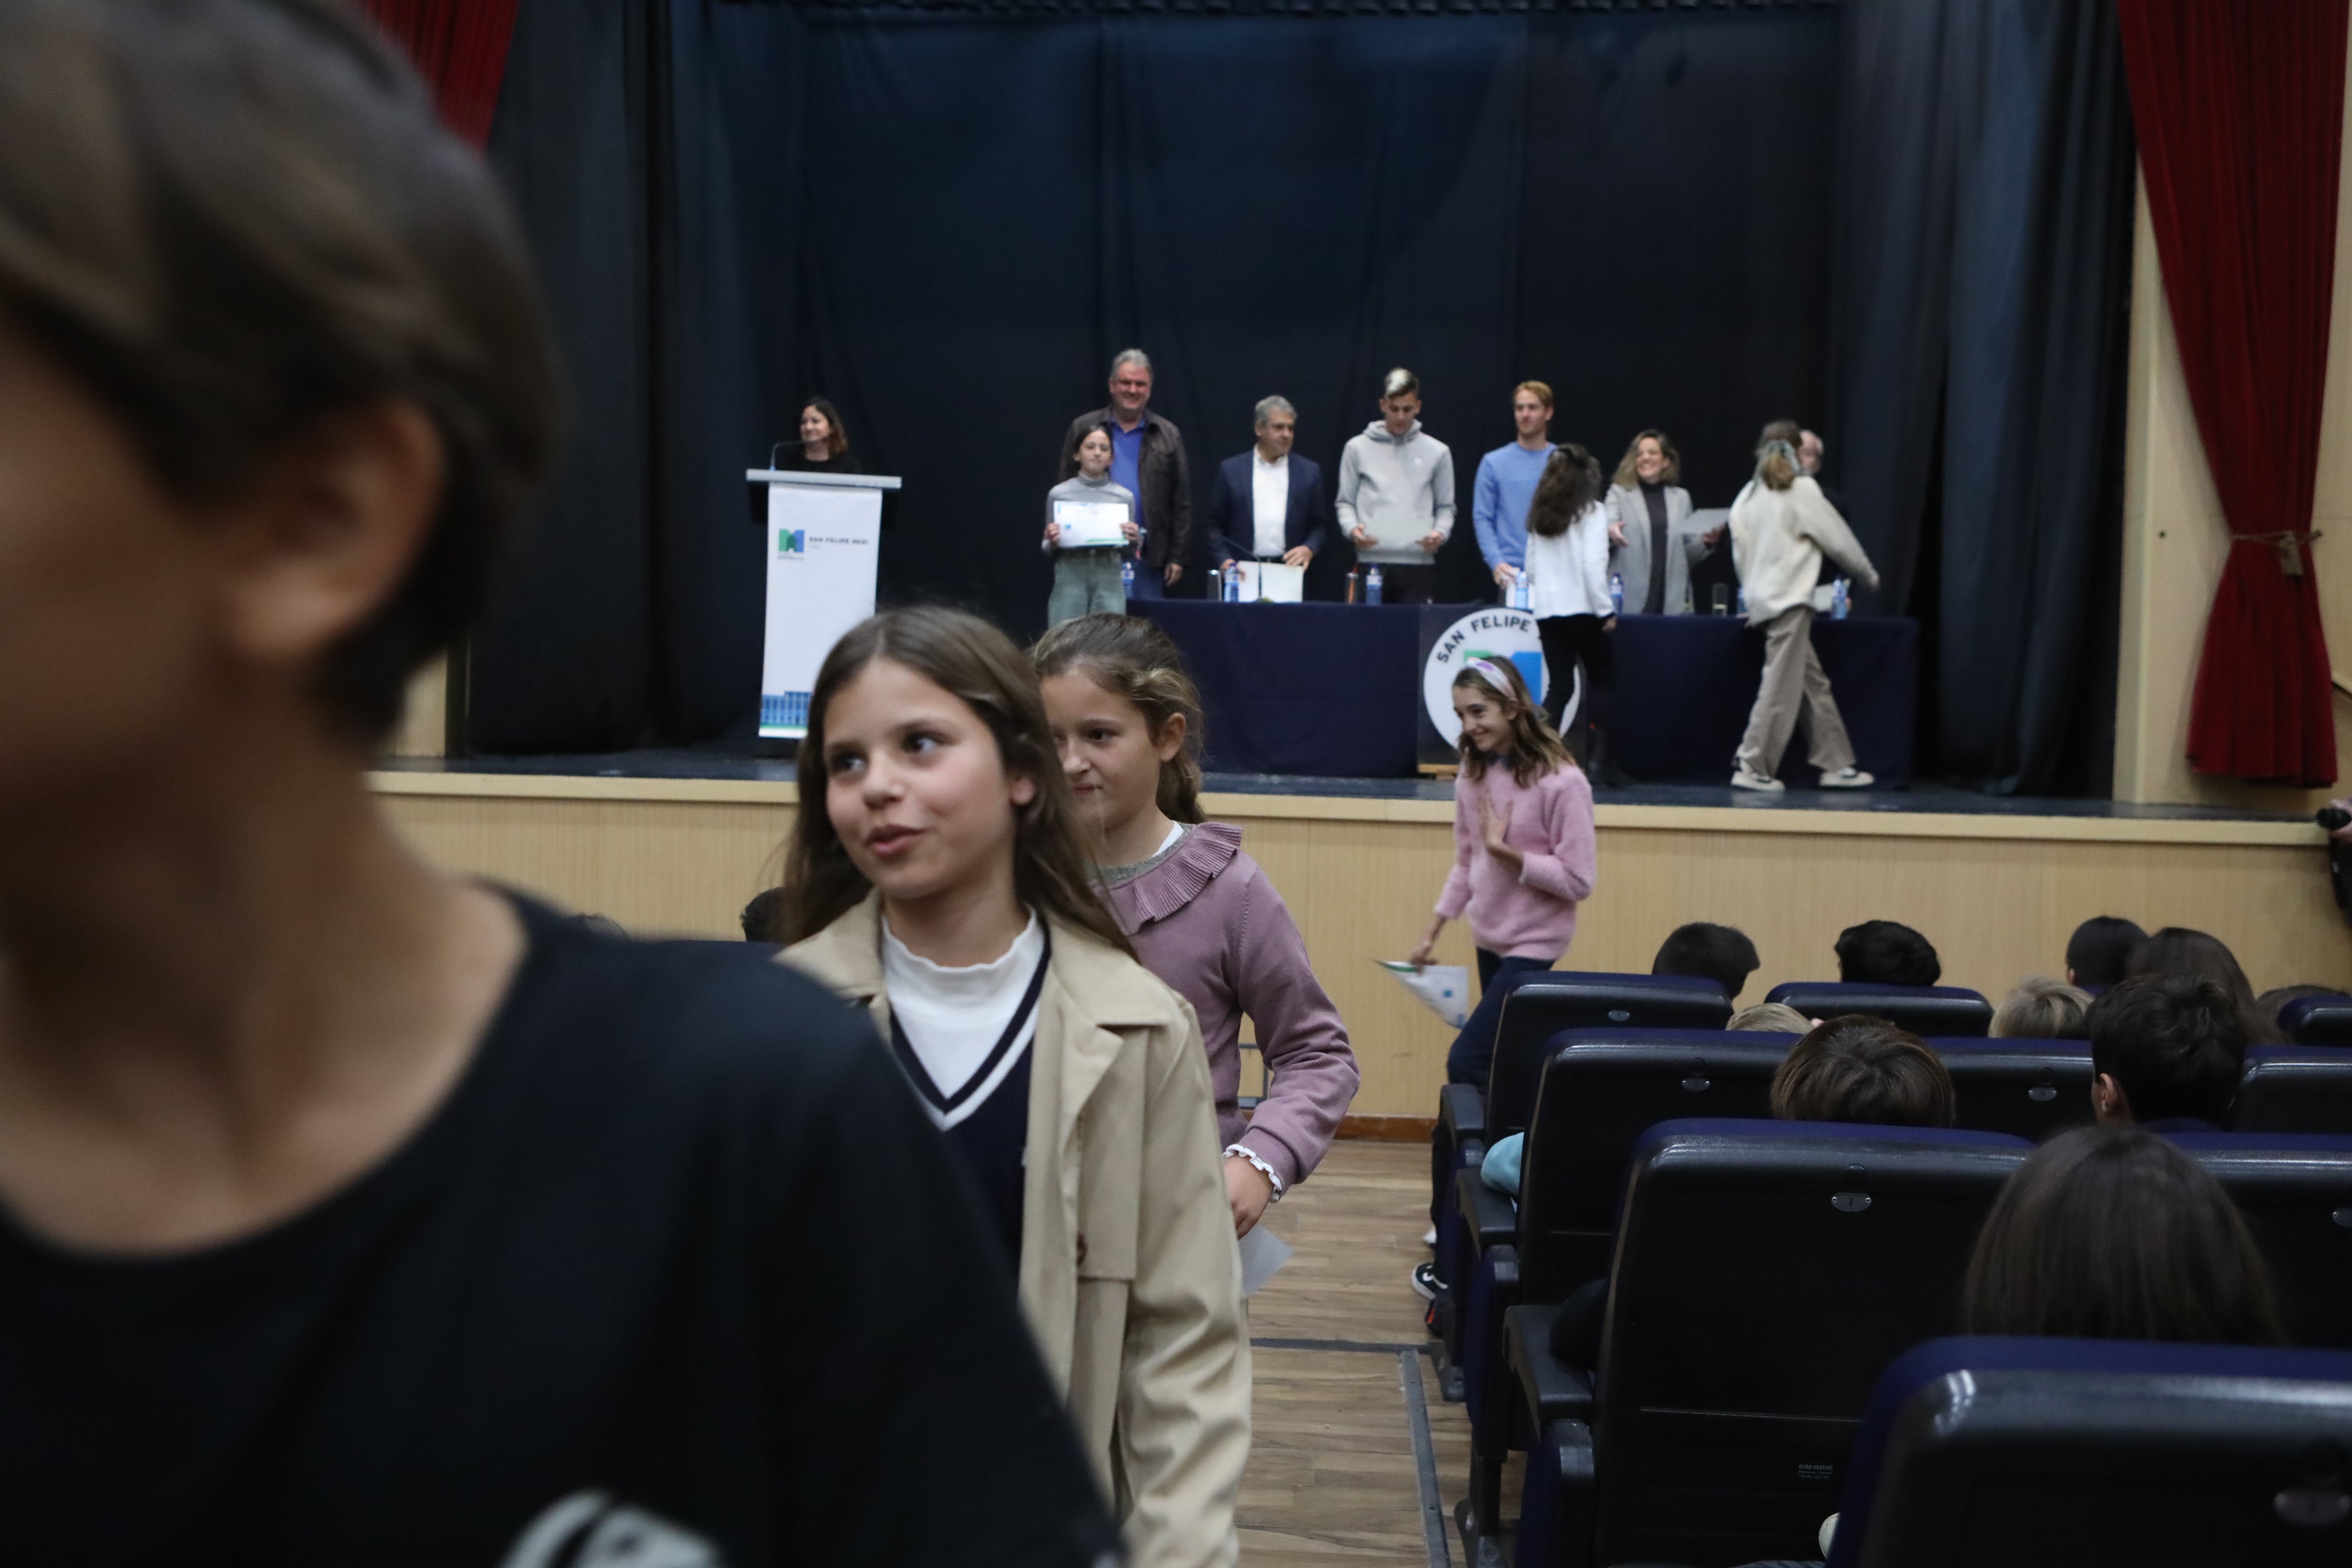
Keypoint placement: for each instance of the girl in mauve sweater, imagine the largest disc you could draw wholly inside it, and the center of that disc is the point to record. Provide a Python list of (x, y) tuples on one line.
[(1523, 848), (1127, 721)]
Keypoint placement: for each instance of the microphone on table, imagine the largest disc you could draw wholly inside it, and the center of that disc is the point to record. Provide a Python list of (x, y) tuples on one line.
[(771, 454)]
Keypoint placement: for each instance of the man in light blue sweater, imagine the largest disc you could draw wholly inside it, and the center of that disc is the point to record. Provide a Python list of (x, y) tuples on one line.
[(1507, 483)]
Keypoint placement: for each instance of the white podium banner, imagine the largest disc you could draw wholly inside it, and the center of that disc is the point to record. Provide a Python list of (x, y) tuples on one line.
[(822, 536)]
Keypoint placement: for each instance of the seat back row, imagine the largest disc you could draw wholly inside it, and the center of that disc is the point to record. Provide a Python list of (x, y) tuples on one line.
[(1768, 1273)]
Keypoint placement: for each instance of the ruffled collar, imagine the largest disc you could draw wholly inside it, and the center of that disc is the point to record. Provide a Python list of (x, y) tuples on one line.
[(1176, 882)]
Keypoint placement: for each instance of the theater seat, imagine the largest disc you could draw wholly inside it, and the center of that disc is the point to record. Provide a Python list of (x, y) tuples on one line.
[(1540, 1005), (1601, 1090), (2028, 1088), (1923, 1009), (1548, 1001), (2296, 1191), (2295, 1088), (1766, 1273), (2032, 1453), (2318, 1020)]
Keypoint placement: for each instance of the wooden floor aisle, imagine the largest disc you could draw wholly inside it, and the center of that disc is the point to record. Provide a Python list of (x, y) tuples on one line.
[(1332, 1479)]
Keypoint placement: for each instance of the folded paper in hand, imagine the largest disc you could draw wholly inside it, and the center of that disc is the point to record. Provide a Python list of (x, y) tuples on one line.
[(1262, 1255), (1443, 988)]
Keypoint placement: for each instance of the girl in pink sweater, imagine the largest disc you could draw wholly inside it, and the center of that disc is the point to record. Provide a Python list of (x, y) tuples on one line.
[(1523, 849), (1203, 917)]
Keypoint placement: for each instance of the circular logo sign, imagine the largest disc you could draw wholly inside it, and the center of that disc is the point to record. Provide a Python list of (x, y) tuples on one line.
[(1495, 634)]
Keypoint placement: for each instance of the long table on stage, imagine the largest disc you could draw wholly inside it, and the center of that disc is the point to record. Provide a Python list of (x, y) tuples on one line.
[(1334, 690)]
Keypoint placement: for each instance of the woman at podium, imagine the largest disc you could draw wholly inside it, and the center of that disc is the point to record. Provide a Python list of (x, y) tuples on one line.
[(824, 444)]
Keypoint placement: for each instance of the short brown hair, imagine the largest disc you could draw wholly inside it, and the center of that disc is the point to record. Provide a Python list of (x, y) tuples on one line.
[(2111, 1233), (978, 664), (229, 219), (1857, 1068), (1542, 391), (1134, 660)]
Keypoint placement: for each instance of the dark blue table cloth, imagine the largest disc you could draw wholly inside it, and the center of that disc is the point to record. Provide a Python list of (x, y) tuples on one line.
[(1685, 683), (1323, 691), (1334, 690)]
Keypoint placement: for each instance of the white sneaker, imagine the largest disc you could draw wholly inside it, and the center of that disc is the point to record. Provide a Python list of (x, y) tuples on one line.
[(1745, 777), (1429, 1237), (1847, 778)]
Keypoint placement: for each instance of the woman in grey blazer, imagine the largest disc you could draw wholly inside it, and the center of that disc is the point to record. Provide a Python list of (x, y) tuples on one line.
[(1651, 545)]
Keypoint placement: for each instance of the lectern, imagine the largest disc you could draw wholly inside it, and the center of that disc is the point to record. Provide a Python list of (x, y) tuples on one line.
[(822, 534)]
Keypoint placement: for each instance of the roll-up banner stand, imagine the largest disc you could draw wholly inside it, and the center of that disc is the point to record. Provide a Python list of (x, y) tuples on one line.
[(823, 535)]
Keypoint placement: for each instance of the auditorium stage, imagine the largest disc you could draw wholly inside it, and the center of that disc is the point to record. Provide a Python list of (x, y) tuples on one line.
[(676, 841)]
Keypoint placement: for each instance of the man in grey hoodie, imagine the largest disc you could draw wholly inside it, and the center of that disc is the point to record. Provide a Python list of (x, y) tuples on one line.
[(1396, 494)]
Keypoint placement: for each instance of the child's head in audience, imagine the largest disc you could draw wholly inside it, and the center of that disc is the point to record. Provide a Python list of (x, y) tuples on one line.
[(2111, 1233), (2166, 1047), (1720, 953), (763, 917), (1127, 723), (1884, 953), (2100, 952), (2176, 949), (928, 774), (2043, 1009), (2268, 1005), (1770, 1018), (1858, 1068)]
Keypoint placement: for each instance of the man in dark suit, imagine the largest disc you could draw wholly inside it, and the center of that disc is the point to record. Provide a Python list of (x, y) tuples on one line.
[(1268, 504), (1146, 457)]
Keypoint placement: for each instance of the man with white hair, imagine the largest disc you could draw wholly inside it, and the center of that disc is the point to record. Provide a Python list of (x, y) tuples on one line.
[(1810, 451), (1146, 457), (1269, 503)]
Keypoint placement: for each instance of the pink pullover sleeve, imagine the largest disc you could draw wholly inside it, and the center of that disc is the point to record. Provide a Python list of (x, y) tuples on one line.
[(1300, 1033), (1567, 872), (1454, 896)]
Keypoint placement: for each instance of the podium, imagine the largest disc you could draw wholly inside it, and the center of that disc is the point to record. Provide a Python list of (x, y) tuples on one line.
[(824, 534)]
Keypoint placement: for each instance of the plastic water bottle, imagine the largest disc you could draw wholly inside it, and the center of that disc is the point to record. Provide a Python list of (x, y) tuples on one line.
[(1519, 591), (1743, 601), (1127, 575), (1841, 598), (1372, 586), (1232, 584), (1616, 594)]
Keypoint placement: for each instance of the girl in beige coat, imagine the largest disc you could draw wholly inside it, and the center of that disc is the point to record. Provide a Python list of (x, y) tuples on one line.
[(935, 878)]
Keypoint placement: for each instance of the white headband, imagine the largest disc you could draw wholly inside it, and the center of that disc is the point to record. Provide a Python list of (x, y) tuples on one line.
[(1501, 682)]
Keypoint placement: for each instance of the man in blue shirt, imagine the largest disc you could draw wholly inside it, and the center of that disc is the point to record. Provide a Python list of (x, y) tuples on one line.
[(1508, 477), (1146, 457)]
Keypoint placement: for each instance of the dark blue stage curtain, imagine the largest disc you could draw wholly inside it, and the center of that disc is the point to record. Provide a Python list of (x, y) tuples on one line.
[(947, 219), (1984, 282)]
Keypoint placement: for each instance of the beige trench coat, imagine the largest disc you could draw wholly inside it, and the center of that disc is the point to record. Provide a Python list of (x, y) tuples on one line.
[(1129, 1272)]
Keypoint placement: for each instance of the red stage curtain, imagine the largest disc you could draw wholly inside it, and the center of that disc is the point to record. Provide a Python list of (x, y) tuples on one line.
[(2240, 110), (460, 46)]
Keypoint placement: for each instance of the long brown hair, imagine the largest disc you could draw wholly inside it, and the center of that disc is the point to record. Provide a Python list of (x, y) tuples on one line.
[(1536, 747), (1571, 482), (979, 666), (2111, 1233), (1135, 661), (837, 437), (1628, 476)]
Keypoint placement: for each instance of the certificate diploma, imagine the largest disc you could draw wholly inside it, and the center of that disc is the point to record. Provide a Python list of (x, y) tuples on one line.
[(1084, 524), (1398, 531)]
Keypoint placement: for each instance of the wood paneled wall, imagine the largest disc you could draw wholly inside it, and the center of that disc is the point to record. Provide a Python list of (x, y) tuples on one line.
[(1997, 896)]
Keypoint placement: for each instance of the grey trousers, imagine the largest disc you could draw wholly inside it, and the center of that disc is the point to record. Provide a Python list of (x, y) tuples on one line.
[(1793, 679), (1086, 582)]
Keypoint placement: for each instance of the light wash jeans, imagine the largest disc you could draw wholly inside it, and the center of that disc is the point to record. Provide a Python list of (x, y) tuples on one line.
[(1086, 582)]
